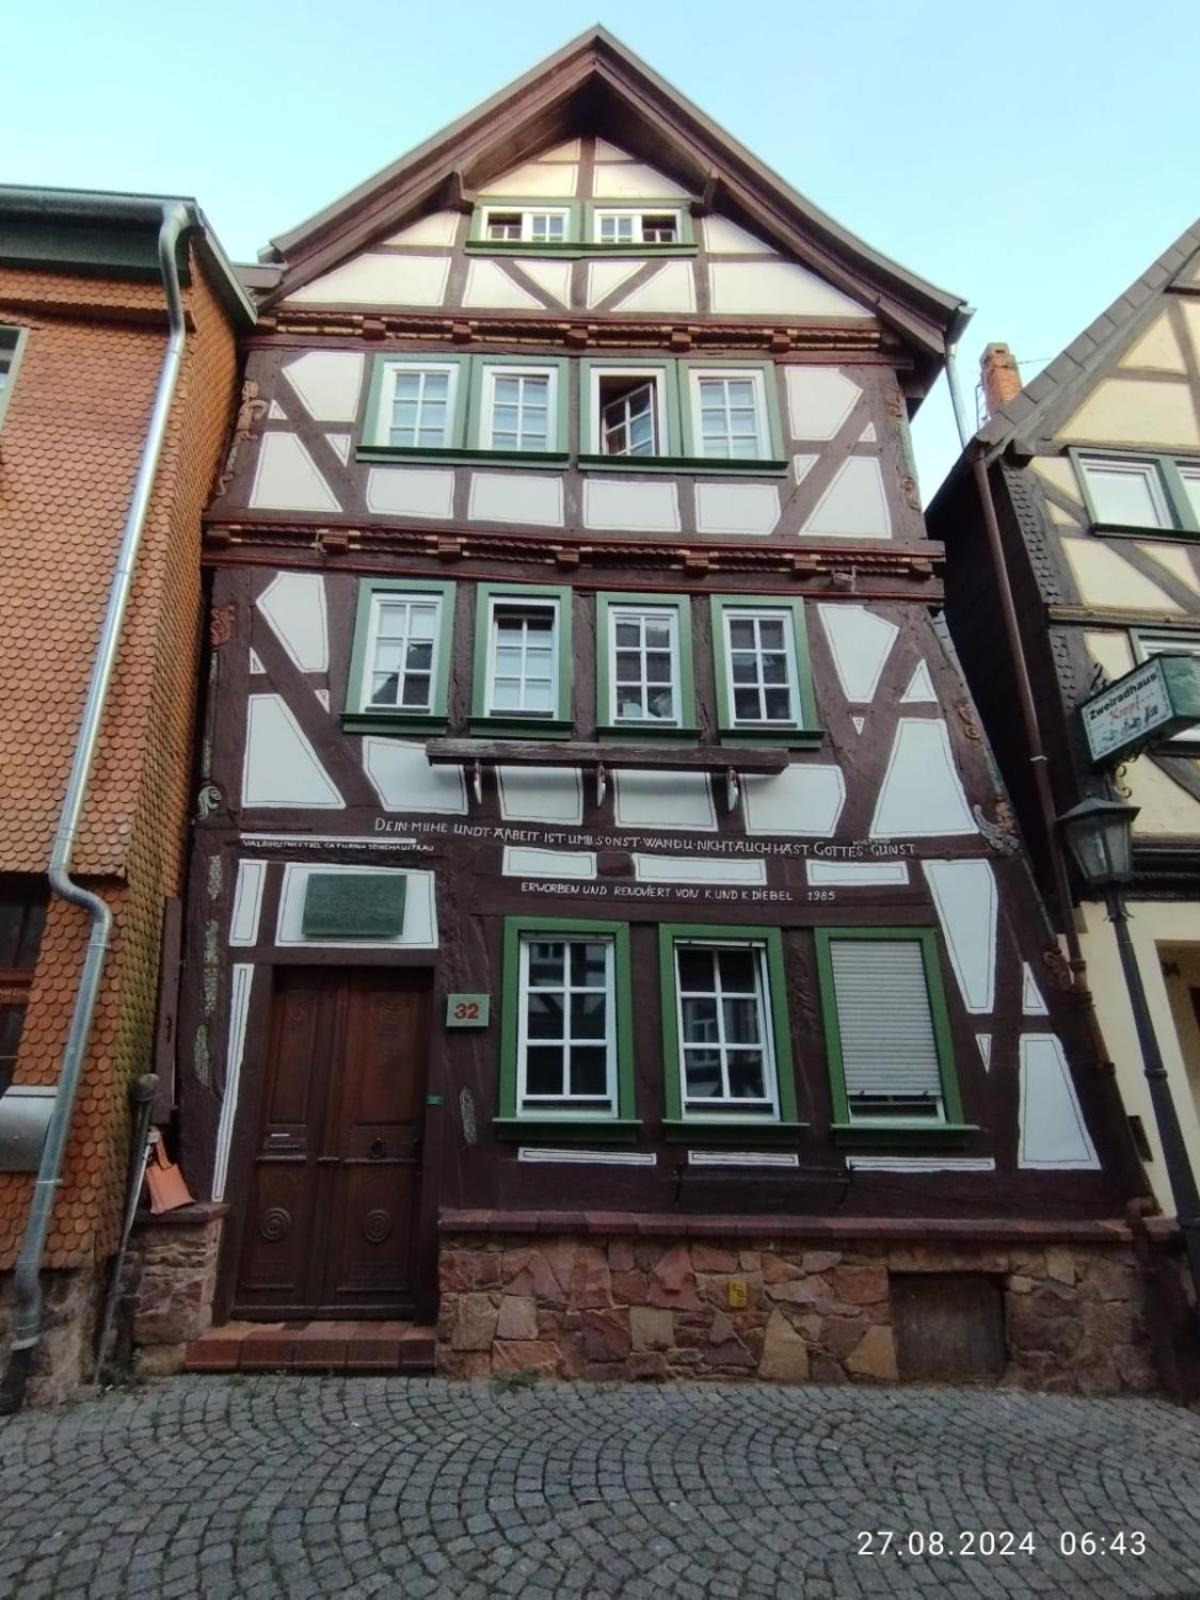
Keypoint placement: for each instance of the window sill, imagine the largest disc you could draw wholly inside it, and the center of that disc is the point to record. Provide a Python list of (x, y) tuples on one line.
[(1125, 530), (730, 1130), (870, 1135), (454, 457), (792, 738), (635, 733), (699, 466), (386, 722), (520, 728), (590, 1130)]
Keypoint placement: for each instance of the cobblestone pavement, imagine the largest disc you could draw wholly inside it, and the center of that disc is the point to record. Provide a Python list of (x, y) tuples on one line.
[(264, 1486)]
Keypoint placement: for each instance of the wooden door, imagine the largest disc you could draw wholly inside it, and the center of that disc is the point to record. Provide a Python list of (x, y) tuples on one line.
[(330, 1219)]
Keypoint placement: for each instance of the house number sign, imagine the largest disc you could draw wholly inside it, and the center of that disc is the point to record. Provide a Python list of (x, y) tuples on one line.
[(468, 1010)]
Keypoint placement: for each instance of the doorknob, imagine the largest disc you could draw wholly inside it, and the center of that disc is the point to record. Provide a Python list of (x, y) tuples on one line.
[(378, 1150)]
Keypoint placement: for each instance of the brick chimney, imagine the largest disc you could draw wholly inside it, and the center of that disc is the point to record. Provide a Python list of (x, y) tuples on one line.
[(1000, 376)]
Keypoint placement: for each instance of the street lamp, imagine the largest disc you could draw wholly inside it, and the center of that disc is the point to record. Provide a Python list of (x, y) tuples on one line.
[(1099, 836)]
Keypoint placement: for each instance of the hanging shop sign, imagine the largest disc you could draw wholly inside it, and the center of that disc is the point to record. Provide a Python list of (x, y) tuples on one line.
[(1151, 704)]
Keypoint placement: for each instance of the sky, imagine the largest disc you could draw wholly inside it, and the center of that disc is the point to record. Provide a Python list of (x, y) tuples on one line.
[(1033, 156)]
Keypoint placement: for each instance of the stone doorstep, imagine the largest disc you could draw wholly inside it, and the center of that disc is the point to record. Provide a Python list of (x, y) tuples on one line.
[(385, 1346)]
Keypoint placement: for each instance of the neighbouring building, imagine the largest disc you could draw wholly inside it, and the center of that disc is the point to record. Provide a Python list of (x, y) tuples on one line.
[(607, 933), (83, 336), (1094, 470)]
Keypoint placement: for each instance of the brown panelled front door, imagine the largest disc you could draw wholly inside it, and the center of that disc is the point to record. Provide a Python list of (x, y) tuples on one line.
[(329, 1226)]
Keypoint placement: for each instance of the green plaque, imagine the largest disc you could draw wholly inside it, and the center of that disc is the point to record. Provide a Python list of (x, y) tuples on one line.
[(468, 1010), (354, 905)]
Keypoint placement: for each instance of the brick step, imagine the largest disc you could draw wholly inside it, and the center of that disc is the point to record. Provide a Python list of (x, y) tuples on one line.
[(314, 1347)]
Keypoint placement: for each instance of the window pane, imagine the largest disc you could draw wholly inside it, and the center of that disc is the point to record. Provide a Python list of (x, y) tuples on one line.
[(545, 963), (745, 705), (774, 668), (544, 1015), (1191, 487), (384, 688), (1128, 492), (699, 1021), (739, 970), (588, 1016), (658, 667), (416, 691), (589, 1072), (746, 1078), (629, 700), (543, 1071), (588, 965), (744, 667), (741, 1021), (695, 970), (702, 1074), (661, 704), (778, 705), (741, 633)]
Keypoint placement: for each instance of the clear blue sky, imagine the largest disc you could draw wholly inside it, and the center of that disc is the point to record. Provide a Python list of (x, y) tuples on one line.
[(1031, 155)]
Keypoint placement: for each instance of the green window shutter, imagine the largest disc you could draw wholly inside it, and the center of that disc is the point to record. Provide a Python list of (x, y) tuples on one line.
[(354, 905)]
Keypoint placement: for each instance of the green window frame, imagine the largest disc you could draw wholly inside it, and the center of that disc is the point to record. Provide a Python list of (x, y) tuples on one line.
[(514, 1120), (581, 226), (800, 733), (1167, 477), (849, 1128), (359, 717), (761, 375), (12, 348), (609, 605), (683, 245), (469, 430), (558, 723), (780, 1121)]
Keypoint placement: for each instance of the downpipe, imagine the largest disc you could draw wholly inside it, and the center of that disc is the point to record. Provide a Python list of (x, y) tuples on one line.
[(177, 219)]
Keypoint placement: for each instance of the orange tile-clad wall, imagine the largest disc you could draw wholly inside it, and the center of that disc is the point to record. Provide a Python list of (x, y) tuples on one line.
[(69, 450)]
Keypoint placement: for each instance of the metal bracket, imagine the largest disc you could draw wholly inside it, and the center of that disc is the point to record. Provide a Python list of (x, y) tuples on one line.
[(477, 782), (733, 790), (601, 782)]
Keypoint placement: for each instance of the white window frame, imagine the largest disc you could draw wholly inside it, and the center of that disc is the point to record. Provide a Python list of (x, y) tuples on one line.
[(387, 398), (755, 613), (12, 350), (1148, 643), (507, 370), (379, 602), (766, 1109), (618, 613), (527, 214), (590, 1106), (1147, 469), (638, 215), (656, 375), (501, 602), (753, 375)]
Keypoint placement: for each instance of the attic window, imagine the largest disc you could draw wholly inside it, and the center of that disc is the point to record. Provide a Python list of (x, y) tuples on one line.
[(525, 224), (634, 226)]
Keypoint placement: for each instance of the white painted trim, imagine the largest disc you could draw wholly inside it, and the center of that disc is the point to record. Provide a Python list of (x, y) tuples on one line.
[(920, 1164), (351, 841), (247, 902), (856, 874), (591, 1158), (524, 861), (241, 984), (698, 869), (743, 1158)]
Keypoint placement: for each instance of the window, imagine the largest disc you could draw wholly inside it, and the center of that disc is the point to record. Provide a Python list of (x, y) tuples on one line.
[(524, 225), (725, 1029), (471, 405), (12, 341), (567, 1050), (627, 410), (729, 415), (400, 665), (635, 226), (536, 225), (415, 404), (1146, 645), (22, 919), (520, 408), (523, 661), (680, 414), (1141, 491), (887, 1030), (760, 659), (644, 665)]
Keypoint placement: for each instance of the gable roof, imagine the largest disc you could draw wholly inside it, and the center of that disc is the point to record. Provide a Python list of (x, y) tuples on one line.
[(595, 85)]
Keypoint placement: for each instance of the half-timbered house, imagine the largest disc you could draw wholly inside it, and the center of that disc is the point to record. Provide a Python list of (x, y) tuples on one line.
[(607, 931)]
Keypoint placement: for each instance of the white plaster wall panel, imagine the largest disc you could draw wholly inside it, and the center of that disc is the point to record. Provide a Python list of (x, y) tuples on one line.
[(964, 894), (603, 277), (1191, 317), (294, 604), (373, 280), (517, 497), (1157, 349), (725, 238), (856, 874), (439, 227), (276, 413), (627, 507), (767, 286), (819, 401), (984, 1041), (328, 383), (664, 800), (1165, 808), (554, 277), (921, 795), (801, 800), (1110, 650), (802, 466), (522, 862), (1136, 411), (1059, 473), (247, 902), (323, 696), (404, 780), (920, 689), (751, 508), (241, 985), (859, 723), (855, 504), (420, 916), (633, 180), (551, 178), (281, 768), (699, 869), (860, 643), (1052, 1130), (569, 151), (610, 152), (672, 288), (1032, 1003), (410, 491), (921, 1164), (489, 285), (339, 443), (541, 794), (868, 435), (255, 664), (287, 477), (1176, 558), (1105, 578)]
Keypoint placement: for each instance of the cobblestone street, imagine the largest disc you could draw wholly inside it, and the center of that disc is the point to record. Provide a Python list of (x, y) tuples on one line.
[(265, 1486)]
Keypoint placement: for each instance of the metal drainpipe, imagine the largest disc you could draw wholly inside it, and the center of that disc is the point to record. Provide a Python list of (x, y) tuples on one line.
[(177, 219)]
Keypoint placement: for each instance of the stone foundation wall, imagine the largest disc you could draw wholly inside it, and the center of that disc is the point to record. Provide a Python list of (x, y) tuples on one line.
[(176, 1279), (786, 1311), (64, 1355)]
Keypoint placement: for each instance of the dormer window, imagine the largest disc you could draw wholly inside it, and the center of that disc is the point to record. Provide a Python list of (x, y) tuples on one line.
[(635, 226), (531, 225)]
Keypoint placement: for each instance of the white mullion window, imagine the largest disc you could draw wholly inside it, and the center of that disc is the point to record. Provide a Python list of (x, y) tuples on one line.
[(401, 655), (566, 1038), (523, 658), (729, 415), (636, 226), (418, 405), (520, 408), (1127, 491), (628, 406), (726, 1056), (644, 664), (1146, 645), (760, 667), (525, 225), (885, 1023)]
